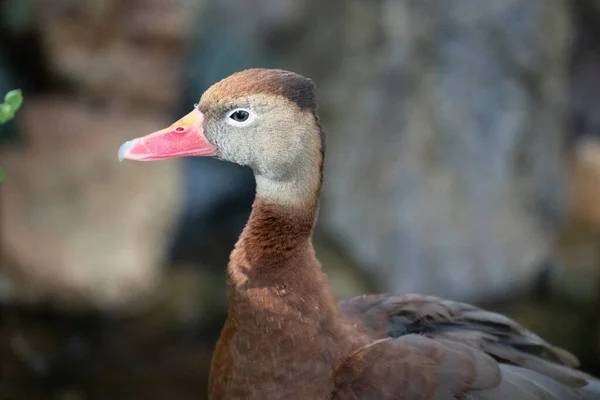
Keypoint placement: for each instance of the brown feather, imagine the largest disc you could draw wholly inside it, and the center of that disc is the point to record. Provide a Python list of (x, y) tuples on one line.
[(289, 85)]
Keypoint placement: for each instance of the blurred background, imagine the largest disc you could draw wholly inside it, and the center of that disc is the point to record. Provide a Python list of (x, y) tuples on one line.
[(463, 160)]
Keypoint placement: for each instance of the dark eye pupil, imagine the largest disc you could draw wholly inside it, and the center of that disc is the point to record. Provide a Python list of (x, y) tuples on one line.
[(240, 116)]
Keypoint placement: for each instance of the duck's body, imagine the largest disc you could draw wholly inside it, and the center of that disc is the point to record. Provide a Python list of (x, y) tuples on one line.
[(285, 336)]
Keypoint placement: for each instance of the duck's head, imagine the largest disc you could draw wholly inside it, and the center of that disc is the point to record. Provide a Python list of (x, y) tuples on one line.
[(261, 118)]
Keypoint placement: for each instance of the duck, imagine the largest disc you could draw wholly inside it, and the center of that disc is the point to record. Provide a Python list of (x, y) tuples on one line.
[(286, 336)]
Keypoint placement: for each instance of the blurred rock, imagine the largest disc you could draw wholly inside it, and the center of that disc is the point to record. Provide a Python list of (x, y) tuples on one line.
[(17, 15), (577, 273), (578, 247), (119, 50), (458, 133), (79, 228), (451, 112), (584, 184), (127, 56)]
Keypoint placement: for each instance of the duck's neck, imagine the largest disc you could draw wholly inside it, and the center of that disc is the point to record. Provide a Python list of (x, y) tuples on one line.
[(273, 269), (281, 309), (278, 232)]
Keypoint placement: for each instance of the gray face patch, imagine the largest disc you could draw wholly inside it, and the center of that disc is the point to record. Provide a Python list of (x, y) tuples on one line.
[(281, 143)]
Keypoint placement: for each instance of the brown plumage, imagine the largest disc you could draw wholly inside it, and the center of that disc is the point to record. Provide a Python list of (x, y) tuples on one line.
[(285, 337)]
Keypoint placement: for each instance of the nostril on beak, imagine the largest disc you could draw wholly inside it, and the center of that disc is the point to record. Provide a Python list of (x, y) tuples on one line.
[(180, 129)]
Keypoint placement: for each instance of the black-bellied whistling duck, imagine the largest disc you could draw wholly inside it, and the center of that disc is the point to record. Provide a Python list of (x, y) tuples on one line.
[(285, 336)]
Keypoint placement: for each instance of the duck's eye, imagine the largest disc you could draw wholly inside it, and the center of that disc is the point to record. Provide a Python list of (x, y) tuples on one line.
[(240, 117)]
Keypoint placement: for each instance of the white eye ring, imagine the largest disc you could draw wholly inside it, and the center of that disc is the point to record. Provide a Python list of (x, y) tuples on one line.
[(240, 117)]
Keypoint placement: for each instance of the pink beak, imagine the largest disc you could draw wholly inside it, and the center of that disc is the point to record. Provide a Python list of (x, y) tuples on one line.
[(184, 138)]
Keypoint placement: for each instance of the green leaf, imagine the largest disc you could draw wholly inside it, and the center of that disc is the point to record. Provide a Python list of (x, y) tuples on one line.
[(14, 99), (12, 102), (6, 113)]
